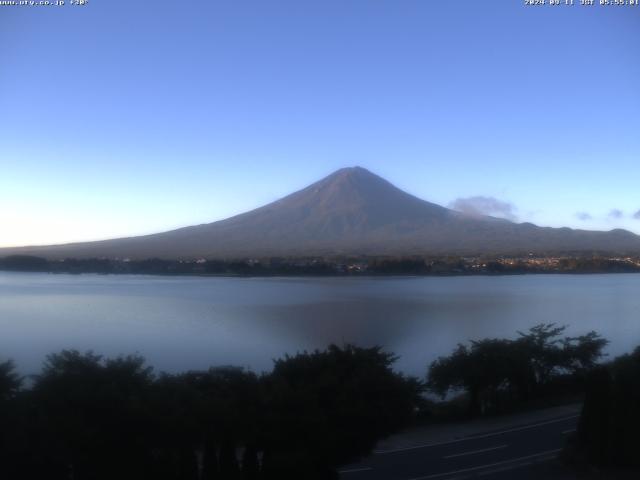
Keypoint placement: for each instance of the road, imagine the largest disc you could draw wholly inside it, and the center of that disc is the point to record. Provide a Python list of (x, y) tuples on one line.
[(488, 455)]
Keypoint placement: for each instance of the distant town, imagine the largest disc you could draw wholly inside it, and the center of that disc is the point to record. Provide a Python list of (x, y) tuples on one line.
[(334, 266)]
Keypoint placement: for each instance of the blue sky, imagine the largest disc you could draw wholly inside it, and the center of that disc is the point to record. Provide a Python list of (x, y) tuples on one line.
[(122, 118)]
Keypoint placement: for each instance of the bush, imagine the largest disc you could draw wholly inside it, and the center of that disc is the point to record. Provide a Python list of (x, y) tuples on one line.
[(496, 371), (88, 417), (610, 420)]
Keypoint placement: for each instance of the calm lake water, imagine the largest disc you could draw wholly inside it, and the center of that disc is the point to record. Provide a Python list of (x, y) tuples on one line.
[(181, 323)]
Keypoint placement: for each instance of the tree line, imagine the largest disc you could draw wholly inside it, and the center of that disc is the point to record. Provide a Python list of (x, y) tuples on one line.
[(320, 266), (84, 416), (498, 373), (88, 417), (494, 374)]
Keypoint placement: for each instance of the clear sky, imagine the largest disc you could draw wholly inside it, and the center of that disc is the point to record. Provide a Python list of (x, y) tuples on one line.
[(122, 118)]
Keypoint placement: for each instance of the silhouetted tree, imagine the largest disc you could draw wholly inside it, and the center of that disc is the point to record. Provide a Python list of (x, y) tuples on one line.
[(223, 415), (581, 354), (91, 416), (610, 419), (10, 381), (492, 368), (11, 437), (543, 347), (482, 370), (330, 407)]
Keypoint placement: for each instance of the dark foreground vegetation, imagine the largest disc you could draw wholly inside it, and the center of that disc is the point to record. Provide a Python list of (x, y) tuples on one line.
[(86, 417), (496, 375), (442, 265), (608, 432)]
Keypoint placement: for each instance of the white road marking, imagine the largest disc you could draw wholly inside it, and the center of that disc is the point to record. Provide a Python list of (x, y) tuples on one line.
[(504, 469), (489, 465), (354, 470), (476, 451), (474, 437)]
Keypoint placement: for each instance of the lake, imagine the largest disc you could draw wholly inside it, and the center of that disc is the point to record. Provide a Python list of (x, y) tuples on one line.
[(181, 323)]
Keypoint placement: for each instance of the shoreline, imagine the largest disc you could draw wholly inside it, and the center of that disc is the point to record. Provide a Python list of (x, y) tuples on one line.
[(328, 275)]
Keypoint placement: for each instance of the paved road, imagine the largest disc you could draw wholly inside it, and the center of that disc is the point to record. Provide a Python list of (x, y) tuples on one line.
[(487, 455)]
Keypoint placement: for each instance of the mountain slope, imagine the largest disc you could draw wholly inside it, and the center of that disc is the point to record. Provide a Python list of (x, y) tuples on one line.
[(352, 211)]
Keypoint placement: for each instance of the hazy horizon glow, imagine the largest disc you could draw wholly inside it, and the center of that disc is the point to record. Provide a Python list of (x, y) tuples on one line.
[(127, 118)]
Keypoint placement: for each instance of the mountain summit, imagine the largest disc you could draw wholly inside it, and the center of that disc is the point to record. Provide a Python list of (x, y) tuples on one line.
[(353, 212)]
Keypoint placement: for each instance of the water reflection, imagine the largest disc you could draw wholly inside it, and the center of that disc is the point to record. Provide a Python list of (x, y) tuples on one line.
[(188, 322)]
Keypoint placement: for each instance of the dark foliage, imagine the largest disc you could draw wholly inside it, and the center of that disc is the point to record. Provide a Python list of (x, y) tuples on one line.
[(10, 427), (87, 417), (334, 265), (497, 371), (334, 405), (10, 381), (608, 429), (24, 263)]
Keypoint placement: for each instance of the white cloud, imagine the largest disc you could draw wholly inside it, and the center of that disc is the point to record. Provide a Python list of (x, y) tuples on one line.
[(615, 214), (480, 205)]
